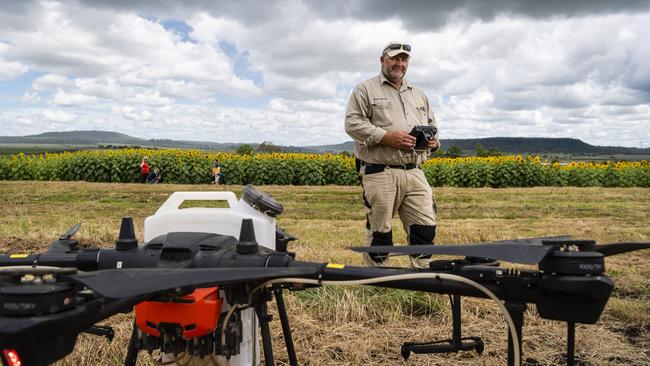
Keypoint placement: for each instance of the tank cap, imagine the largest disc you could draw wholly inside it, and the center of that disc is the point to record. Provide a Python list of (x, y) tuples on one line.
[(261, 201)]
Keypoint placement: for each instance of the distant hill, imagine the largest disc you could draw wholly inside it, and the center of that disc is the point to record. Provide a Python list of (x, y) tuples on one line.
[(74, 137), (336, 148), (518, 145), (508, 145), (541, 145), (106, 138)]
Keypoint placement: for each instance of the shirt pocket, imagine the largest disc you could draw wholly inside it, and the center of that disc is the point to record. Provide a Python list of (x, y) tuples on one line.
[(382, 113), (423, 115)]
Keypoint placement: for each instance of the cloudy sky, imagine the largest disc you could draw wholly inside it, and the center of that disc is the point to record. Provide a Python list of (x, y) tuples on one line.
[(282, 71)]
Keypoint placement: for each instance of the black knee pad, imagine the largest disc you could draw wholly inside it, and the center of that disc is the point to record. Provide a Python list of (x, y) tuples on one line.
[(382, 239), (422, 235)]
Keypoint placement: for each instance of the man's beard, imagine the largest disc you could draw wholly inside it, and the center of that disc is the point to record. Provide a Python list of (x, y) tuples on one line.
[(394, 74)]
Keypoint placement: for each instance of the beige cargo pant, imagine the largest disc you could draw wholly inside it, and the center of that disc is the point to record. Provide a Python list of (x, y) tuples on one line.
[(395, 190)]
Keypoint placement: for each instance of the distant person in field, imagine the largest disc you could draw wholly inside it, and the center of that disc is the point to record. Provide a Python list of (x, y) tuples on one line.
[(216, 172), (154, 176), (381, 112), (144, 169)]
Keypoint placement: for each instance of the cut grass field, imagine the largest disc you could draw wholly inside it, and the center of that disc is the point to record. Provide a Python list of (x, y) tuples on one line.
[(353, 326)]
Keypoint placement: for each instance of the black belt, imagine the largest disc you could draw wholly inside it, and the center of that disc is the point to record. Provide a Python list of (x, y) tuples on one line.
[(376, 168), (403, 166)]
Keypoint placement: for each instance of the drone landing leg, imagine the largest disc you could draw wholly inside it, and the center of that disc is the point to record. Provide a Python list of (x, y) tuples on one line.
[(264, 319), (132, 351), (100, 330), (457, 343), (286, 330), (571, 343), (516, 311)]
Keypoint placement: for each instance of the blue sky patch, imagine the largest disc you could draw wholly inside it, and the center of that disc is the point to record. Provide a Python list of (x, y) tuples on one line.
[(241, 64), (19, 85), (179, 27)]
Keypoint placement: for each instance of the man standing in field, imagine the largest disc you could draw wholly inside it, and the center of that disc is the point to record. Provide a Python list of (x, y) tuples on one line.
[(381, 112)]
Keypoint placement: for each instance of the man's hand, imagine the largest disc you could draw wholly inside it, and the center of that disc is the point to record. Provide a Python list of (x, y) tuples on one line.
[(398, 140), (432, 144)]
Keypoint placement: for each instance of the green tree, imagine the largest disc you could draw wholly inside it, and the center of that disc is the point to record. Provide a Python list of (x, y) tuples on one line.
[(494, 152), (438, 153), (454, 152), (480, 151), (268, 147), (244, 149)]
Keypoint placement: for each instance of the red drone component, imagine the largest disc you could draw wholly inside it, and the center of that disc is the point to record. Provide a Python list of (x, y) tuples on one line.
[(196, 313)]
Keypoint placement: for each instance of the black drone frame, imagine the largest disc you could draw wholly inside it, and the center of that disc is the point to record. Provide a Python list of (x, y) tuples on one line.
[(70, 289)]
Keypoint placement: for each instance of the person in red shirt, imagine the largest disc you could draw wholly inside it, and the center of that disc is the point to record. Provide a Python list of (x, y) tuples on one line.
[(144, 169)]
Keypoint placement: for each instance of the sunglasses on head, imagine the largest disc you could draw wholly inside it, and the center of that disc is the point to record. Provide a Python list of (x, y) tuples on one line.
[(397, 46)]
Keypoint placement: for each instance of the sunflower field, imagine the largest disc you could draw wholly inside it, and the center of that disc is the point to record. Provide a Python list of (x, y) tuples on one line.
[(193, 167)]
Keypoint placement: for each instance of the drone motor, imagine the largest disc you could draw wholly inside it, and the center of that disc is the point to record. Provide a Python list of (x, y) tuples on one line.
[(573, 257), (27, 291), (573, 263)]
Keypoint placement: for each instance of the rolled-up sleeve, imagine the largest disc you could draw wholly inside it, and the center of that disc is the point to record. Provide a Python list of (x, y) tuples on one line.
[(358, 119)]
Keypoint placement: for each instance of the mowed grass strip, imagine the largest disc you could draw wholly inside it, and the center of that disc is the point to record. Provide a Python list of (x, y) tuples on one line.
[(352, 326)]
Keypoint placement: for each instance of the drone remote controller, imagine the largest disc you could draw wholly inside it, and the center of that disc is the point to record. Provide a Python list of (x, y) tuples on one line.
[(423, 134)]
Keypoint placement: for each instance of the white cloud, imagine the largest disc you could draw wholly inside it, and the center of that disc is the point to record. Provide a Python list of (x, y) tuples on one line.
[(58, 116), (11, 70), (72, 99), (93, 42), (282, 70), (279, 105), (134, 114), (50, 82), (30, 98), (150, 97), (106, 88)]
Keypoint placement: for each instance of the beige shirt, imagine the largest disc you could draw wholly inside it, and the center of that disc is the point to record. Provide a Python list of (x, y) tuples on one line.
[(376, 107)]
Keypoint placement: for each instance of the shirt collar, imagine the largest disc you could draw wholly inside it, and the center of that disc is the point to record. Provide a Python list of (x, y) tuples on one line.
[(405, 84)]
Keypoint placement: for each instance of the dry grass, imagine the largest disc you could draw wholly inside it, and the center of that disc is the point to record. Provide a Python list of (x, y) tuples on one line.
[(365, 326)]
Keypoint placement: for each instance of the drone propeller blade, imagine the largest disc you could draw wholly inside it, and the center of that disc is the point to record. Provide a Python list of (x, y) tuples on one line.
[(125, 283), (70, 233), (619, 248), (525, 251)]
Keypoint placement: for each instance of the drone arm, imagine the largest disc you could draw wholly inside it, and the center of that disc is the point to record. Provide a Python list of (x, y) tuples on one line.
[(85, 260), (578, 299), (335, 272)]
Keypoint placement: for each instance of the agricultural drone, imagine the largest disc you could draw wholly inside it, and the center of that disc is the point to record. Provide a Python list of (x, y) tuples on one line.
[(200, 285)]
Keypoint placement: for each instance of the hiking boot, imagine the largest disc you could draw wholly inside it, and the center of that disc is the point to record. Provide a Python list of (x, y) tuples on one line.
[(369, 262)]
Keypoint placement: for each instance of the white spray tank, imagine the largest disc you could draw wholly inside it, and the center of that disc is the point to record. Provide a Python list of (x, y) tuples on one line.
[(253, 205)]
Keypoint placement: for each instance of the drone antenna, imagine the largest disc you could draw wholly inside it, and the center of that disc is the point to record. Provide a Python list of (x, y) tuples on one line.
[(247, 243), (70, 233), (127, 239)]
